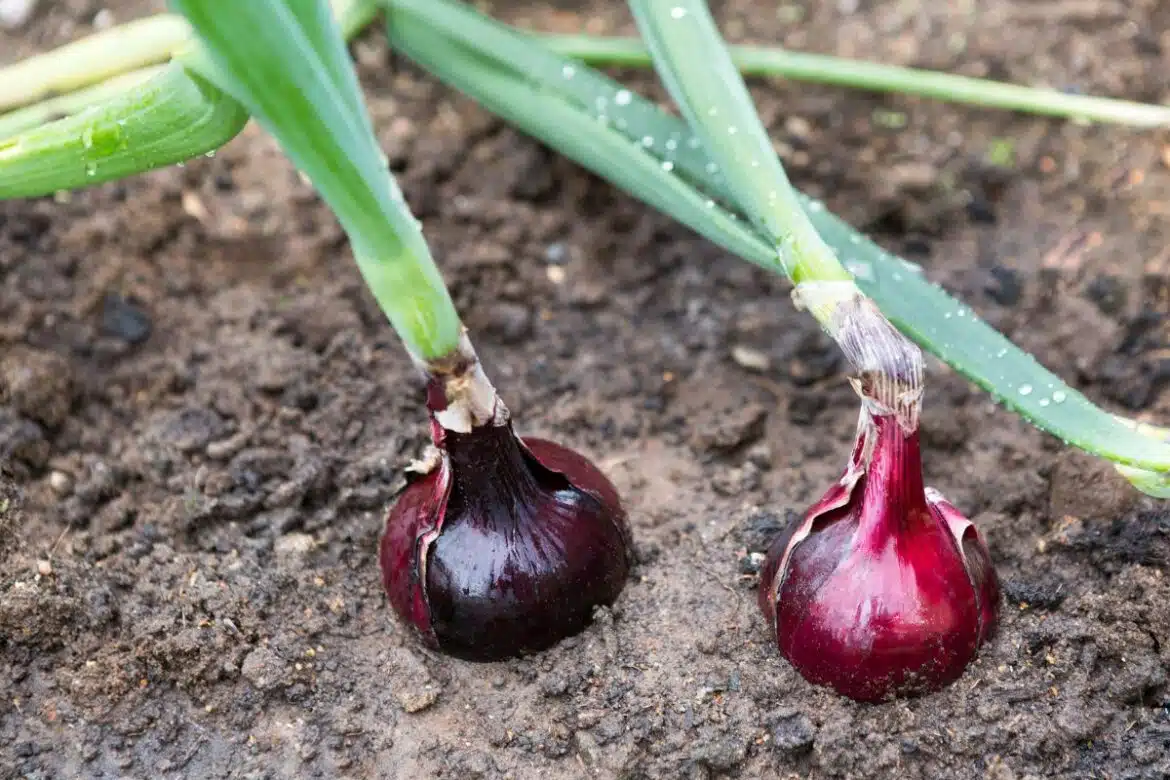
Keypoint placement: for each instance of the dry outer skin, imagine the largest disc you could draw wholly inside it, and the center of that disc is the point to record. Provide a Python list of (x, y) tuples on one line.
[(191, 590)]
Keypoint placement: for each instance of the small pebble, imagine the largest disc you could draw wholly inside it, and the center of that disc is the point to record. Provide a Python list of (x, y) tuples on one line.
[(61, 483), (44, 568), (124, 319), (750, 358)]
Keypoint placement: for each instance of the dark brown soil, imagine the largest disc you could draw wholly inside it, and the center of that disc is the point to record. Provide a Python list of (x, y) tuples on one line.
[(204, 415)]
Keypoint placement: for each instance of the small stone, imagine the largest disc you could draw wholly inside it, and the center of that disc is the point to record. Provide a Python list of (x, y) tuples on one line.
[(798, 127), (739, 426), (794, 735), (61, 483), (263, 668), (750, 358), (417, 701), (44, 568), (123, 318), (293, 546)]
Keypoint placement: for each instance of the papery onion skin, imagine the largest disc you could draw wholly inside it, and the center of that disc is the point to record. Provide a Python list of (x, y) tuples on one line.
[(505, 547), (880, 592)]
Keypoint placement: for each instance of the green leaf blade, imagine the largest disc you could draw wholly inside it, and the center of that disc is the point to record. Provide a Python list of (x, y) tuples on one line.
[(169, 118)]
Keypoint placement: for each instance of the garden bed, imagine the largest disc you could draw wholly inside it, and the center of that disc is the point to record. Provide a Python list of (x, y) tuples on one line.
[(205, 415)]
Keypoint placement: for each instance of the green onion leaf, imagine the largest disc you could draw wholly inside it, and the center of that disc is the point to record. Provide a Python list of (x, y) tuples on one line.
[(879, 77), (171, 117), (92, 60), (514, 76)]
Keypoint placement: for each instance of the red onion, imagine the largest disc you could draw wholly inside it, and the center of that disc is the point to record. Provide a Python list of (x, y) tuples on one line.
[(504, 545), (884, 589)]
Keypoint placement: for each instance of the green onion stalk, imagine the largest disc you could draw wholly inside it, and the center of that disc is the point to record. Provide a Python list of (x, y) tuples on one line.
[(499, 546)]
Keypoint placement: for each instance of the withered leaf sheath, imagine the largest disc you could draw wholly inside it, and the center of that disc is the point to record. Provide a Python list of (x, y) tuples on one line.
[(506, 545)]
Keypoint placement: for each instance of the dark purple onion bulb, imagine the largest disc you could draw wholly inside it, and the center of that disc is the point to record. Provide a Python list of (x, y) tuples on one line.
[(884, 589), (505, 547)]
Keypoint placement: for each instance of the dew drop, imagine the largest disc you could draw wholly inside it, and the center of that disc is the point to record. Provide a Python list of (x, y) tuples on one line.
[(709, 204), (694, 142), (1025, 390), (568, 71), (91, 169), (855, 239), (860, 269), (671, 145), (947, 316), (678, 12), (732, 129), (1058, 397), (712, 167), (667, 165), (623, 97), (1043, 402), (87, 138), (1001, 353), (815, 206), (647, 141)]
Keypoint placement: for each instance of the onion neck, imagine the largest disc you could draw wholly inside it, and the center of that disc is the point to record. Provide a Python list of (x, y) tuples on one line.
[(893, 499), (460, 397), (490, 470)]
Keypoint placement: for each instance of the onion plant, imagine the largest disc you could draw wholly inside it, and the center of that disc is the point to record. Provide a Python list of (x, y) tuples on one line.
[(499, 546), (883, 588)]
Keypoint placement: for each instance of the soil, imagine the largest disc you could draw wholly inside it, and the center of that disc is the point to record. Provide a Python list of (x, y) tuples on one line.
[(204, 415)]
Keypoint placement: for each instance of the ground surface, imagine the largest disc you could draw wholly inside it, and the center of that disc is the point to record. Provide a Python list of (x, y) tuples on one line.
[(205, 415)]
